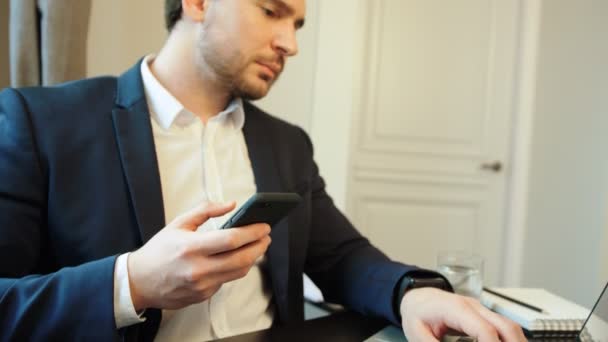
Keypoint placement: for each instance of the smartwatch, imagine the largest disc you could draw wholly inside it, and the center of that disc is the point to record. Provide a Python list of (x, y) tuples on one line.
[(417, 279)]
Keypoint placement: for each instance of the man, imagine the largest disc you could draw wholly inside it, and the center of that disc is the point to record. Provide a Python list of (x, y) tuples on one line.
[(93, 169)]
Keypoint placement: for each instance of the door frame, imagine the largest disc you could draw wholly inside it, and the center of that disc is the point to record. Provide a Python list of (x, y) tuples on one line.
[(523, 120)]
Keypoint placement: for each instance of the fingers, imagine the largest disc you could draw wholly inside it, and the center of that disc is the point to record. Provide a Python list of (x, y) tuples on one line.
[(429, 310), (467, 319), (211, 271), (198, 215), (507, 329), (224, 240), (421, 332), (243, 257), (486, 325), (207, 287)]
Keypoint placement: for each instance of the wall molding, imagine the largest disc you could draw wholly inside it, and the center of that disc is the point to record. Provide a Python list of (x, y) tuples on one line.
[(400, 177)]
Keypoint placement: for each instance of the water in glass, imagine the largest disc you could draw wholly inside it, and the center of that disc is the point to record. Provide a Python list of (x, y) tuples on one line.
[(466, 280)]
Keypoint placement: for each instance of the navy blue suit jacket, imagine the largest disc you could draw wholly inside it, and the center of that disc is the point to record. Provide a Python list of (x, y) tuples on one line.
[(79, 185)]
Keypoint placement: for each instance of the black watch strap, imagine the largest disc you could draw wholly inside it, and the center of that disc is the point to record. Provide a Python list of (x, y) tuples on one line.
[(417, 279)]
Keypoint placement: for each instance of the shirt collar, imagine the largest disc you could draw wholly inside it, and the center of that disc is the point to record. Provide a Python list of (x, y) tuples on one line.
[(167, 110), (235, 112)]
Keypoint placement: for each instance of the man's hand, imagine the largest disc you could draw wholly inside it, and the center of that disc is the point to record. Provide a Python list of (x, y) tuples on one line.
[(179, 266), (428, 313)]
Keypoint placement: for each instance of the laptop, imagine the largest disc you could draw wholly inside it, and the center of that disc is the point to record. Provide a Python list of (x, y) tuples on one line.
[(595, 328)]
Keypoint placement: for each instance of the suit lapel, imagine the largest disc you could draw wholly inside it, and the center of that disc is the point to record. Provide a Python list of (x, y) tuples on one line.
[(135, 142), (265, 169)]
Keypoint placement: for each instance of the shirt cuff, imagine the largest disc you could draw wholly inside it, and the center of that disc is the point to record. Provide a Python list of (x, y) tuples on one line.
[(124, 312)]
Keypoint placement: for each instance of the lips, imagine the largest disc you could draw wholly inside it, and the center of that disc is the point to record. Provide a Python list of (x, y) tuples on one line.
[(270, 67)]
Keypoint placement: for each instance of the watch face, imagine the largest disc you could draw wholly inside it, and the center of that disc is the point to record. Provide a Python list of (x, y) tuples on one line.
[(429, 282)]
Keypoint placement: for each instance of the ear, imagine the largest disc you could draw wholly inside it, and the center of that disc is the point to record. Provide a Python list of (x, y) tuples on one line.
[(195, 9)]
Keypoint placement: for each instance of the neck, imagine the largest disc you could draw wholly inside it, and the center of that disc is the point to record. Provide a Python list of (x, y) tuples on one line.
[(175, 68)]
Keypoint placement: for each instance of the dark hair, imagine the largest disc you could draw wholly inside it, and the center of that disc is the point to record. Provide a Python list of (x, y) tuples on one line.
[(173, 13)]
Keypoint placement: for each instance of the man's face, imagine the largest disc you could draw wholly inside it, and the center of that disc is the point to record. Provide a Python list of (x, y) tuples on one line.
[(243, 44)]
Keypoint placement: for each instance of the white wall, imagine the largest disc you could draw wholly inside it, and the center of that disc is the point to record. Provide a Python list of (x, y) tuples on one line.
[(603, 274), (568, 175), (121, 32), (4, 70), (316, 91), (291, 97)]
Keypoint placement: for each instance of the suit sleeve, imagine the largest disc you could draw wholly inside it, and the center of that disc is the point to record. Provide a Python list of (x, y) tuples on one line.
[(345, 266), (72, 303)]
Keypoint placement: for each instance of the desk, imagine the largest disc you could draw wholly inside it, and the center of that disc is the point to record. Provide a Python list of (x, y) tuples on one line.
[(343, 326), (321, 326)]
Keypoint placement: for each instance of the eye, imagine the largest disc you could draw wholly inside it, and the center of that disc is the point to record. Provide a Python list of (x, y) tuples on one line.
[(269, 13)]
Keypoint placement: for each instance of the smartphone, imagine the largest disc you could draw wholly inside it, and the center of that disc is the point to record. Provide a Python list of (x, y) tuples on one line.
[(264, 207)]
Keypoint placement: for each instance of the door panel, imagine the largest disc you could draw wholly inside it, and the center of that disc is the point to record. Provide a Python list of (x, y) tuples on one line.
[(435, 104), (408, 228)]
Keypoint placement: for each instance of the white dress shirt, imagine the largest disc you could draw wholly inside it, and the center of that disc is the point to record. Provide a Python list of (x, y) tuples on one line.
[(199, 162)]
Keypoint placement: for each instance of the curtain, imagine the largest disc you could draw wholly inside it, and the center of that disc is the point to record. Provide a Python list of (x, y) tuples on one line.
[(47, 41)]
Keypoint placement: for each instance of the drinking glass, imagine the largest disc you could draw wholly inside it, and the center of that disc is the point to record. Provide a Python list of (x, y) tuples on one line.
[(464, 270)]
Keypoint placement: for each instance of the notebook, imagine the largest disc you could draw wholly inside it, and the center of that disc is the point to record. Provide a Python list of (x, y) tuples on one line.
[(559, 314)]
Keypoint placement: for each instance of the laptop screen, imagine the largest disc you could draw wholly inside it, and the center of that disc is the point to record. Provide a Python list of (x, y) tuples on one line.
[(596, 326)]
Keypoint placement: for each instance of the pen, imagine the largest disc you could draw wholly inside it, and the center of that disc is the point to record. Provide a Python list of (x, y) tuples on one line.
[(526, 305)]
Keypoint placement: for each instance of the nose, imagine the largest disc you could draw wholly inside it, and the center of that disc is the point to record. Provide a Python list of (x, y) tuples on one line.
[(285, 41)]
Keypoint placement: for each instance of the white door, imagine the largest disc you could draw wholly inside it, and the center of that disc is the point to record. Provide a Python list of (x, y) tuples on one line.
[(430, 142)]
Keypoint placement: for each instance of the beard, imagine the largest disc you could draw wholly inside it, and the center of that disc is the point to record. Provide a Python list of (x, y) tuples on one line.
[(229, 68)]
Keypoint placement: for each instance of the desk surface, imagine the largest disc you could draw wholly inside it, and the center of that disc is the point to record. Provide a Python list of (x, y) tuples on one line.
[(343, 326)]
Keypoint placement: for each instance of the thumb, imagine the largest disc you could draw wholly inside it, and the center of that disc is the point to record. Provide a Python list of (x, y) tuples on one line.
[(421, 332), (198, 215)]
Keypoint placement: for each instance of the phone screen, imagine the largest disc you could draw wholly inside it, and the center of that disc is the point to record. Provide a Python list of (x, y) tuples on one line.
[(269, 208)]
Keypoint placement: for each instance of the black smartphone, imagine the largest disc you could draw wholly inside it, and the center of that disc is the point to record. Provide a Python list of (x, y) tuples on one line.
[(264, 207)]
